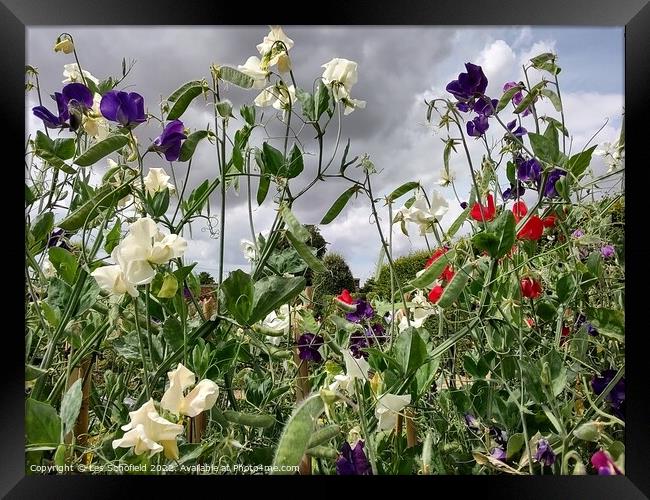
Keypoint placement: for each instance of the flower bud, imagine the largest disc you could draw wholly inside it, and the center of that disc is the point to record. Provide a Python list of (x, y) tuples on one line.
[(64, 44)]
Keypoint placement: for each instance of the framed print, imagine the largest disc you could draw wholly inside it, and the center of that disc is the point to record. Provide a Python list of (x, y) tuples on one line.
[(394, 247)]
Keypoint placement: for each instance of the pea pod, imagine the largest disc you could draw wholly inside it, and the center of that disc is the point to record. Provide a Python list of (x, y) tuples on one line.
[(103, 197), (323, 435), (296, 434), (456, 285), (249, 419), (323, 452)]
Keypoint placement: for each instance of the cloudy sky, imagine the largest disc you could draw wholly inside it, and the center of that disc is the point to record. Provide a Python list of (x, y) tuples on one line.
[(399, 67)]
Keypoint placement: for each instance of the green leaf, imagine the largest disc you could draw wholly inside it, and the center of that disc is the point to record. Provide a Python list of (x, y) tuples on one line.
[(70, 406), (543, 147), (158, 204), (43, 142), (296, 434), (273, 291), (64, 148), (608, 322), (558, 125), (88, 296), (307, 254), (248, 114), (235, 77), (104, 197), (542, 58), (402, 190), (565, 287), (64, 262), (42, 424), (295, 165), (498, 237), (173, 332), (272, 158), (112, 238), (515, 443), (507, 97), (189, 145), (338, 205), (54, 160), (410, 351), (295, 227), (434, 270), (458, 223), (263, 189), (454, 288), (552, 418), (41, 228), (183, 97), (168, 288), (307, 102), (321, 99), (528, 99), (238, 293), (102, 149), (578, 163), (553, 97), (33, 372)]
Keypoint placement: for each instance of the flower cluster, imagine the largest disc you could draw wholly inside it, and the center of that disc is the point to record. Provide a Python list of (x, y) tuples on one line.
[(423, 212), (340, 75), (144, 247), (469, 90)]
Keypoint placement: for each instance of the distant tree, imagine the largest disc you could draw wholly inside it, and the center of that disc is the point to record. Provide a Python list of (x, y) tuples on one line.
[(330, 283), (206, 278), (405, 269), (315, 240)]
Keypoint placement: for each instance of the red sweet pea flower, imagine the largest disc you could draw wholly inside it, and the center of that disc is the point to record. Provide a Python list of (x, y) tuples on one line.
[(345, 301), (519, 210), (530, 322), (532, 230), (435, 293), (448, 273), (345, 297), (549, 221), (531, 288), (481, 213)]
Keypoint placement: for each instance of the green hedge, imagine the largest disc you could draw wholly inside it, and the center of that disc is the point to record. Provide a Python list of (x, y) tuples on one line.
[(405, 269), (331, 283)]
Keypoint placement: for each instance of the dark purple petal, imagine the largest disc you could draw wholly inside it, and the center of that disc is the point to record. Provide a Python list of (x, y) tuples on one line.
[(109, 104), (361, 463), (616, 397), (478, 126), (308, 345), (545, 453), (607, 251), (125, 108), (499, 454), (529, 170), (345, 464), (462, 106), (169, 142), (49, 120), (78, 92), (364, 311), (471, 421), (514, 192), (551, 180), (463, 205), (501, 437), (62, 106), (468, 84)]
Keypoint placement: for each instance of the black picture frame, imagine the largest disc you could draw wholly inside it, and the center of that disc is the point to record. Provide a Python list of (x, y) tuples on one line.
[(17, 15)]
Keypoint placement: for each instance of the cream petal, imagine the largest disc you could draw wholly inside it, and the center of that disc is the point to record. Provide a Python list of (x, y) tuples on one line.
[(201, 398), (355, 368)]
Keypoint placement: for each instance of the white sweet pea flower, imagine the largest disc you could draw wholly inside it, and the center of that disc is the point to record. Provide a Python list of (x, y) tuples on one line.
[(201, 398), (253, 68), (446, 178), (424, 215), (277, 322), (94, 123), (112, 280), (351, 105), (280, 97), (64, 45), (341, 75), (249, 249), (48, 269), (274, 53), (421, 311), (388, 407), (613, 155), (157, 180), (72, 74), (148, 431), (354, 368)]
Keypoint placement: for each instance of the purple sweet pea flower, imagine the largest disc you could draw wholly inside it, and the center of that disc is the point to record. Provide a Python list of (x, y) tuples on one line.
[(186, 293), (126, 108), (463, 205), (518, 97), (169, 142), (545, 453), (616, 397), (499, 454), (308, 345), (472, 422), (578, 233), (364, 311), (553, 177), (517, 132), (582, 320), (514, 192), (501, 437), (485, 106), (468, 84), (353, 462), (361, 340), (478, 126), (57, 239), (73, 100), (608, 251), (529, 170), (462, 106), (604, 465)]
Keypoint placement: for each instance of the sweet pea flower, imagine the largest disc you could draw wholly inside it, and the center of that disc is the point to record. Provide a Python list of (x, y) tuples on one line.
[(545, 453), (72, 74), (435, 294), (280, 97), (528, 170), (514, 192), (49, 271), (478, 126), (469, 84), (353, 461), (112, 280), (200, 399), (472, 422), (604, 464), (157, 180), (169, 142), (551, 180), (530, 288), (71, 102), (64, 44), (94, 124), (126, 108), (482, 213), (355, 368), (275, 53), (616, 397), (345, 301), (148, 431), (424, 213), (277, 323), (253, 68), (499, 454), (341, 75), (421, 310), (249, 249), (613, 154), (388, 407), (517, 132), (363, 311), (308, 345), (608, 251), (518, 97)]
